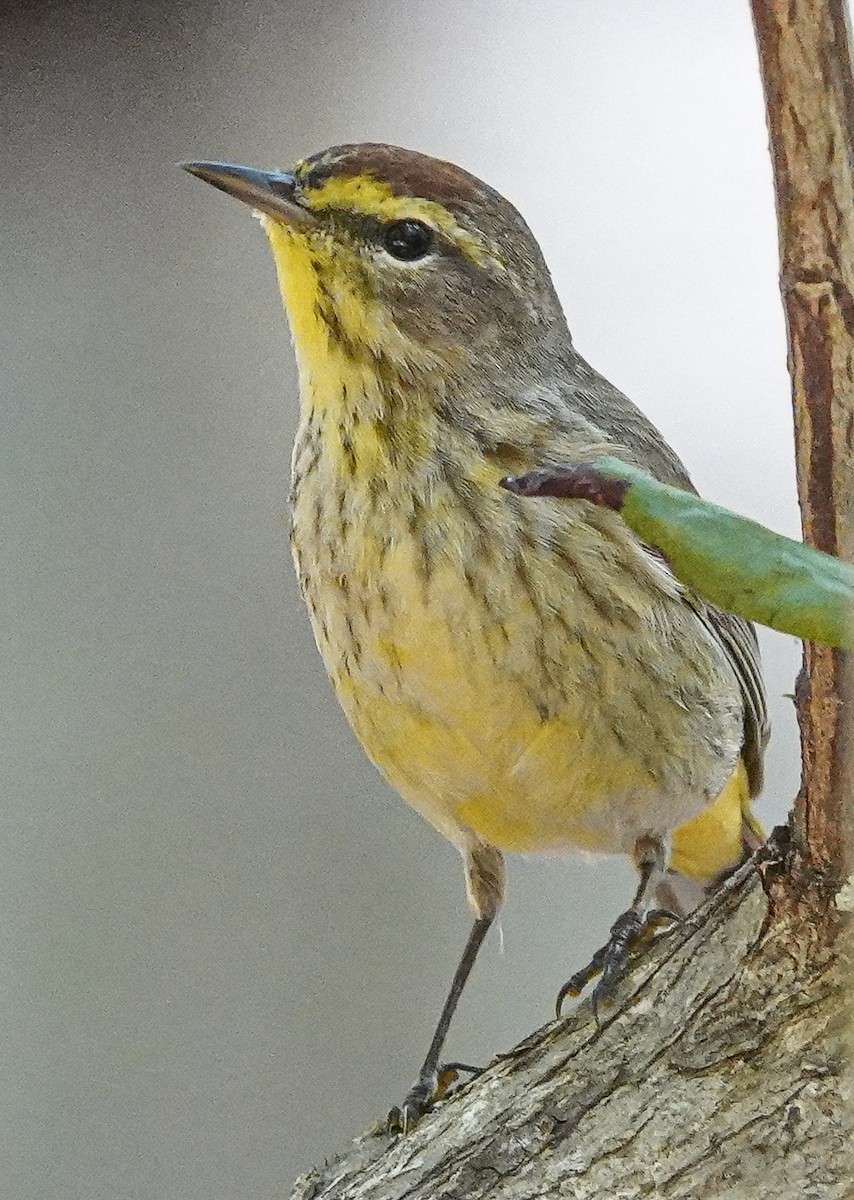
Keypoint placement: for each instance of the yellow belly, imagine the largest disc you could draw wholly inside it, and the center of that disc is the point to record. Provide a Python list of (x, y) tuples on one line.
[(490, 719)]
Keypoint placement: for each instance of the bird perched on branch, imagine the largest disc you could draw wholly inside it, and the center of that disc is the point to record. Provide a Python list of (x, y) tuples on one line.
[(526, 673)]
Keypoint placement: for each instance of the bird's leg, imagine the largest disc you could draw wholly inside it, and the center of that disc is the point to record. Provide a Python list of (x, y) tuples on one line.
[(423, 1092), (651, 857), (484, 869)]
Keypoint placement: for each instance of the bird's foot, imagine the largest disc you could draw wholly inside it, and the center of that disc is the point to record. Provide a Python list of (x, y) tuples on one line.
[(424, 1093), (631, 930)]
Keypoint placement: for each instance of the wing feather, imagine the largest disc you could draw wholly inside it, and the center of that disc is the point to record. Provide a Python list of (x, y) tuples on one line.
[(627, 427)]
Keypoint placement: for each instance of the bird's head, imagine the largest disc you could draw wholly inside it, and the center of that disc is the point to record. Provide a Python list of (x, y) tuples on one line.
[(389, 256)]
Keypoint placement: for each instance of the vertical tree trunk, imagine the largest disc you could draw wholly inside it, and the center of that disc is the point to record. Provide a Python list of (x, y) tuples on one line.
[(805, 57)]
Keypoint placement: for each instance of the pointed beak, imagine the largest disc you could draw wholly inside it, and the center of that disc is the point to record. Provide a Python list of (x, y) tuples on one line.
[(271, 192)]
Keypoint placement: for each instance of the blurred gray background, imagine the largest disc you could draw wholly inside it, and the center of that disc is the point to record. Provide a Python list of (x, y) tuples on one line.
[(225, 940)]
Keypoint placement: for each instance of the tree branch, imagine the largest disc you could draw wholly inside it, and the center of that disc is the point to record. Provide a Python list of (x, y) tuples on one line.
[(720, 1075)]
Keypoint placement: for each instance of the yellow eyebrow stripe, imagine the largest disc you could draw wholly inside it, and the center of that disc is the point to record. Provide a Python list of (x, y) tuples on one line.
[(375, 198)]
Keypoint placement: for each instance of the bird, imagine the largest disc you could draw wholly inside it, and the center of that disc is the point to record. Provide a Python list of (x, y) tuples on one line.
[(527, 674)]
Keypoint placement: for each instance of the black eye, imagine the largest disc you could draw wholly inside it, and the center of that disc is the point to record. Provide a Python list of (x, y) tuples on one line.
[(408, 240)]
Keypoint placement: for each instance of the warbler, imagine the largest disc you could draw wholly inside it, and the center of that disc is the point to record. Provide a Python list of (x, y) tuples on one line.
[(526, 673)]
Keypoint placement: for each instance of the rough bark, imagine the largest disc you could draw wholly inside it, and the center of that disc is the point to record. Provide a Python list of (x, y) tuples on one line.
[(804, 52), (721, 1073), (724, 1068)]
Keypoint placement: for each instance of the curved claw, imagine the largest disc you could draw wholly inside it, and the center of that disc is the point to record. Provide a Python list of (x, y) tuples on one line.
[(609, 962), (452, 1070), (576, 983), (625, 933), (424, 1093), (418, 1100)]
